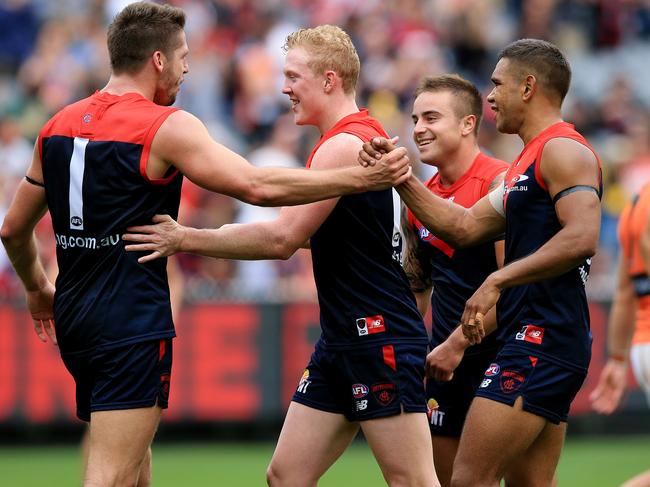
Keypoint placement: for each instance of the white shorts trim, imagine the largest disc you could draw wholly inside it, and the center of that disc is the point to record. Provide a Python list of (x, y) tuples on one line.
[(640, 360)]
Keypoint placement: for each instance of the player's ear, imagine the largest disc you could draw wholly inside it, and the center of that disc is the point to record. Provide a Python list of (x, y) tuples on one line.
[(529, 87), (158, 59), (330, 81), (468, 124)]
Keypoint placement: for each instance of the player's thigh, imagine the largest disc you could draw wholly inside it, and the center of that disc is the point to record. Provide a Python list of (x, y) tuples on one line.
[(494, 435), (310, 442), (536, 466), (119, 440), (444, 453), (402, 446)]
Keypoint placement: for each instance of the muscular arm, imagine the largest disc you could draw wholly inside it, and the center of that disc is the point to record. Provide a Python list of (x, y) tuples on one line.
[(27, 208), (455, 224), (277, 239), (183, 142), (565, 163)]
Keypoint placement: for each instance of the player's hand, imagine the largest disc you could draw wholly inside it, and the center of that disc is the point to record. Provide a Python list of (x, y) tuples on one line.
[(374, 148), (476, 307), (390, 170), (607, 395), (41, 306), (442, 361), (162, 239)]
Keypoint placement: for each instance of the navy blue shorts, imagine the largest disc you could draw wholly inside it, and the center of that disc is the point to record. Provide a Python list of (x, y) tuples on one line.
[(365, 383), (448, 402), (546, 386), (129, 377)]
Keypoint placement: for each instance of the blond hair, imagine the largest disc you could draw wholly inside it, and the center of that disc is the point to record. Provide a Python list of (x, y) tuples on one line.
[(330, 48)]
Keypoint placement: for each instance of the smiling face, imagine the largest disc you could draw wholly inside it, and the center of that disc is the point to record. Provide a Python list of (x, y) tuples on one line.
[(303, 87), (505, 98), (174, 70), (438, 130)]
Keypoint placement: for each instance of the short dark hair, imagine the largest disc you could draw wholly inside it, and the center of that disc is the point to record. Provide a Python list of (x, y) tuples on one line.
[(139, 30), (542, 59), (468, 98)]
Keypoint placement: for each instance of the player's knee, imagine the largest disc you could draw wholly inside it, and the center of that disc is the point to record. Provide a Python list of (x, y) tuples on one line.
[(273, 475), (411, 478), (463, 478), (144, 476)]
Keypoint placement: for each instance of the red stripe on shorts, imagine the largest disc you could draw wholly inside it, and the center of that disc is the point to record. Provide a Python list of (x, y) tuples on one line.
[(389, 356)]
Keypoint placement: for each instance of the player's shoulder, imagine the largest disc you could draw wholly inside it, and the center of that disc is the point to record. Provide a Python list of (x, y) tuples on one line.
[(339, 150), (558, 150)]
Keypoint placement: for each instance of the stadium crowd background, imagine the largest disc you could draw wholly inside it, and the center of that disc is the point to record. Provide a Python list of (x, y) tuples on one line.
[(53, 53)]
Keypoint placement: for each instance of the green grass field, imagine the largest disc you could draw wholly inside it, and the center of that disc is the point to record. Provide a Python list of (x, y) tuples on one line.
[(593, 462)]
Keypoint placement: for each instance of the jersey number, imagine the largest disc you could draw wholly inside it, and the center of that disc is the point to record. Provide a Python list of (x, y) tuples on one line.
[(77, 164)]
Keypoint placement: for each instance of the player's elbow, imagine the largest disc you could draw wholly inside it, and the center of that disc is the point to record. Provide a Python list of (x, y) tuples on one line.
[(11, 234), (258, 195), (584, 247), (283, 246)]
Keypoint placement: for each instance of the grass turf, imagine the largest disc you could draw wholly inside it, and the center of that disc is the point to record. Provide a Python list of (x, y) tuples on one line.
[(593, 462)]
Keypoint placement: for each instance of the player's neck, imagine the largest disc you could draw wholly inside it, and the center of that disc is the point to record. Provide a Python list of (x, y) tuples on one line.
[(458, 164), (538, 121), (122, 84), (335, 111)]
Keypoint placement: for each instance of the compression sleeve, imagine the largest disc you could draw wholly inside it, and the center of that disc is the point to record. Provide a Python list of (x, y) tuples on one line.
[(496, 199)]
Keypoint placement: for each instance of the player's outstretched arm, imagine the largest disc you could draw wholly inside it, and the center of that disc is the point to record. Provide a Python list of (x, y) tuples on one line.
[(277, 239), (565, 165), (456, 225), (27, 208), (608, 393), (183, 142)]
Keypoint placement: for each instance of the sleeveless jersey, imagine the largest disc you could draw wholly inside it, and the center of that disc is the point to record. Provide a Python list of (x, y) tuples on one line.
[(363, 291), (632, 225), (548, 317), (457, 273), (94, 154)]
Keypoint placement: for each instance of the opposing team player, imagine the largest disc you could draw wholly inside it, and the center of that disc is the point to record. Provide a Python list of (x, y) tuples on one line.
[(367, 369), (629, 322), (549, 208), (109, 161), (447, 112)]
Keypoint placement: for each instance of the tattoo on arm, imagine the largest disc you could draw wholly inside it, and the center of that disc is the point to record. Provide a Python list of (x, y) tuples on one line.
[(416, 264)]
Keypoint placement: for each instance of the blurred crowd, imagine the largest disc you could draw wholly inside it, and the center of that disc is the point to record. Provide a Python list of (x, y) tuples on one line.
[(53, 53)]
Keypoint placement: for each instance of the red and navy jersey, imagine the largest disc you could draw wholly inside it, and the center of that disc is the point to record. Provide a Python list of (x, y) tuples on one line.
[(363, 291), (94, 154), (548, 317), (457, 273)]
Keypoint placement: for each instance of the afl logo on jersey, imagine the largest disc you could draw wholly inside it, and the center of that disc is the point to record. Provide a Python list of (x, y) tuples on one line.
[(425, 235), (87, 118), (76, 221)]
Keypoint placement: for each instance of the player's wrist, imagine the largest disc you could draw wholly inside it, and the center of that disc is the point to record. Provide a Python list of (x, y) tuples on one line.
[(458, 342), (619, 357)]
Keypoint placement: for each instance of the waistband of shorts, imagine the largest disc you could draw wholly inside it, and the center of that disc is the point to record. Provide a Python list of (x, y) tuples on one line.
[(519, 349), (121, 343), (372, 344)]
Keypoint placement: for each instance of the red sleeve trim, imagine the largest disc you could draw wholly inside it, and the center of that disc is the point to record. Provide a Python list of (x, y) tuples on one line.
[(146, 149), (538, 170)]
